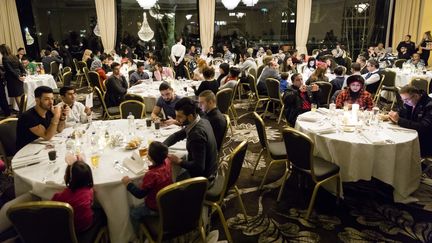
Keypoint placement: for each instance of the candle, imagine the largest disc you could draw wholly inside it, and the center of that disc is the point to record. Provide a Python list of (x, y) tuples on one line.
[(354, 112)]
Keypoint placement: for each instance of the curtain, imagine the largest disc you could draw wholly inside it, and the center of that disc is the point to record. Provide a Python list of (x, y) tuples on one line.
[(304, 8), (106, 17), (10, 29), (406, 21), (207, 18)]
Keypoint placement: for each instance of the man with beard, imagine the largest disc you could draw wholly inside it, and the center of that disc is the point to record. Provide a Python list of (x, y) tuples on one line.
[(43, 120), (166, 102)]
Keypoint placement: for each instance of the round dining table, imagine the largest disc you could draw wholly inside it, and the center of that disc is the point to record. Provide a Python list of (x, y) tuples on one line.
[(384, 151), (33, 172)]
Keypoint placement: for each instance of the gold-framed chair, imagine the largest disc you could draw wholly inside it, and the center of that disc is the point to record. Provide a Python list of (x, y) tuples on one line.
[(421, 84), (187, 72), (8, 139), (224, 99), (399, 63), (136, 108), (259, 70), (67, 78), (187, 195), (299, 148), (22, 107), (348, 63), (86, 71), (326, 89), (93, 79), (252, 71), (55, 70), (49, 221), (228, 126), (80, 75), (130, 96), (275, 97), (376, 95), (111, 112), (255, 94), (234, 166), (275, 150)]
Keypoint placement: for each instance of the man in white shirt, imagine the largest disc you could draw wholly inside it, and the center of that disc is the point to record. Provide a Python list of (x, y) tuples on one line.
[(228, 57), (372, 78), (78, 112), (178, 52)]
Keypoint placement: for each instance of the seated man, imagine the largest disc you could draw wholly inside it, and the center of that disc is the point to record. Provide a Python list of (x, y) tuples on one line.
[(416, 61), (200, 142), (30, 67), (270, 71), (139, 75), (416, 114), (116, 86), (166, 102), (43, 120), (299, 97), (161, 72), (207, 102), (339, 80), (372, 78), (78, 112)]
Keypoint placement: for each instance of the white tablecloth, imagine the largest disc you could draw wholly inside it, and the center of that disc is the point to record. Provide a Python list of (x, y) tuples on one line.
[(397, 164), (149, 90), (404, 78), (109, 190)]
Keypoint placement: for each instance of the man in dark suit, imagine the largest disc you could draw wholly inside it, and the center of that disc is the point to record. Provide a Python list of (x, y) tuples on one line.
[(207, 102), (116, 86)]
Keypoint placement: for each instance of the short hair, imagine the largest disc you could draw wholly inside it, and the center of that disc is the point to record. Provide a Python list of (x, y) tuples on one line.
[(140, 64), (179, 38), (415, 53), (339, 70), (65, 89), (361, 58), (208, 72), (47, 52), (284, 75), (102, 57), (164, 86), (294, 76), (158, 152), (114, 65), (269, 52), (355, 66), (20, 49), (23, 58), (158, 64), (409, 36), (78, 175), (208, 95), (246, 55), (409, 89), (153, 57), (187, 106), (39, 91), (373, 63), (234, 71)]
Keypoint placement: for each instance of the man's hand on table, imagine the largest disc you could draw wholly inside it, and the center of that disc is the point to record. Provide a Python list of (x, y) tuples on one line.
[(394, 116), (126, 180)]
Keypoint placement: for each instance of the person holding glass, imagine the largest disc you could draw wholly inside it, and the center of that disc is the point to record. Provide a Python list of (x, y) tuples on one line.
[(355, 94)]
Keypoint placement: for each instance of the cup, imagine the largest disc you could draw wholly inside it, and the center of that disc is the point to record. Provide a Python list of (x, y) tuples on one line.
[(143, 151), (95, 157), (314, 107), (157, 124), (52, 155), (148, 123)]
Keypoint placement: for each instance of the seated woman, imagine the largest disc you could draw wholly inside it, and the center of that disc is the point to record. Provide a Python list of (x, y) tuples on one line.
[(309, 68), (231, 80), (162, 72), (318, 74), (198, 72), (97, 67), (355, 94), (209, 82)]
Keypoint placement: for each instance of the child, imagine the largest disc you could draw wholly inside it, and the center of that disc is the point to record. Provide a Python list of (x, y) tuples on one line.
[(283, 82), (157, 177), (78, 193)]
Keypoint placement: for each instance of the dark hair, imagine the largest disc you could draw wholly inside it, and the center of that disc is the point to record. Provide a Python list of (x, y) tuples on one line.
[(355, 78), (187, 106), (39, 91), (65, 89), (294, 76), (208, 72), (140, 64), (47, 52), (114, 65), (311, 59), (246, 55), (164, 86), (20, 49), (153, 57), (23, 58), (339, 70), (356, 66), (410, 89), (158, 152), (102, 57), (225, 67), (409, 36), (373, 63), (284, 75), (179, 38), (78, 175), (234, 71), (158, 64)]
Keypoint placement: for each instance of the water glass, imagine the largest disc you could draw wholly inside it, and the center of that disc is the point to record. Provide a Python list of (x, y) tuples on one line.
[(313, 107)]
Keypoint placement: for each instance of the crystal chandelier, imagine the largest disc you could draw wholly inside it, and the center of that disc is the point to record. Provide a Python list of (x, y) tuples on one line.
[(146, 4), (96, 30), (29, 38), (145, 33), (250, 3), (230, 4)]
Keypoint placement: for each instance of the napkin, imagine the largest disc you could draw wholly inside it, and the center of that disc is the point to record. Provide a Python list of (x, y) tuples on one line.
[(26, 160), (89, 100), (135, 164), (324, 130), (374, 138), (308, 117), (323, 111)]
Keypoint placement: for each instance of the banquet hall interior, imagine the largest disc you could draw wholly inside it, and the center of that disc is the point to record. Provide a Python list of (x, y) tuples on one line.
[(215, 121)]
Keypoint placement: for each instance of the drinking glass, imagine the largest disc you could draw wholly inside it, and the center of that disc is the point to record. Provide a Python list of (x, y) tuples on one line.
[(95, 158), (52, 155), (314, 107)]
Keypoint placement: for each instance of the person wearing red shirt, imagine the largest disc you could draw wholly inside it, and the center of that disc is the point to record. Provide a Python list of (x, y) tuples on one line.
[(355, 94)]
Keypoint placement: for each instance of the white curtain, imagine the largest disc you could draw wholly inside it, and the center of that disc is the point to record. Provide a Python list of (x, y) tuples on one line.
[(304, 8), (207, 18), (106, 18), (10, 30), (406, 21)]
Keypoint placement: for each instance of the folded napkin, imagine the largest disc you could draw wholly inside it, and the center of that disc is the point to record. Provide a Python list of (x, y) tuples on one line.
[(135, 164), (374, 138), (323, 111), (30, 158), (324, 130), (308, 117)]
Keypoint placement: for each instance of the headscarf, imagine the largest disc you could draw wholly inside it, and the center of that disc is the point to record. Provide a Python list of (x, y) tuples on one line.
[(95, 65)]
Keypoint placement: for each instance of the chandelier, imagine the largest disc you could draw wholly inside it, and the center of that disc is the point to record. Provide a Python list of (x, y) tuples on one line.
[(250, 3), (29, 38), (96, 30), (146, 4), (230, 4), (145, 33)]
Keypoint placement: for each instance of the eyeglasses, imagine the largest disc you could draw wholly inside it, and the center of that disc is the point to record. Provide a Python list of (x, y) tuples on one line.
[(407, 99)]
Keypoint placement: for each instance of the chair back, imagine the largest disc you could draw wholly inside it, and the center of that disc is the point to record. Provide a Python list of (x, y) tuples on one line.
[(54, 69), (8, 137), (348, 62), (80, 65), (253, 86), (399, 63), (75, 62), (259, 71), (65, 70), (224, 99), (136, 97), (67, 78), (421, 84), (252, 71), (93, 78), (273, 90), (325, 92), (298, 147), (136, 108), (43, 221), (260, 126), (101, 99), (22, 105), (187, 72), (180, 205), (228, 123), (235, 165), (217, 61), (389, 78), (130, 72), (86, 71)]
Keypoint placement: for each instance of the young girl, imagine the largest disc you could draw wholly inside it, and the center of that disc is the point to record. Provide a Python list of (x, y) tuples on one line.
[(157, 177), (78, 193), (355, 94)]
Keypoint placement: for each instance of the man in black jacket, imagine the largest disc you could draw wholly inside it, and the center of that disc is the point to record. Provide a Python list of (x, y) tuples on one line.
[(207, 102), (416, 114), (116, 86), (299, 98), (408, 44), (200, 142)]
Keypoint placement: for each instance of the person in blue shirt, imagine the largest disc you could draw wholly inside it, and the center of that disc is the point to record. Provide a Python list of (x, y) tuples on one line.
[(284, 82)]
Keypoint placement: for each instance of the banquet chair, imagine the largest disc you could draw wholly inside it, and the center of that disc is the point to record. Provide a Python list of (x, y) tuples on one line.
[(136, 97), (93, 78), (50, 221), (259, 71), (224, 100), (274, 96), (228, 126), (275, 150), (130, 73), (187, 195), (187, 72), (67, 78), (252, 71), (421, 84), (111, 112), (259, 98), (217, 61), (326, 89), (8, 139), (299, 149), (66, 69), (86, 71), (348, 63), (399, 63), (80, 75), (22, 105), (54, 70), (234, 166), (136, 108), (375, 93)]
